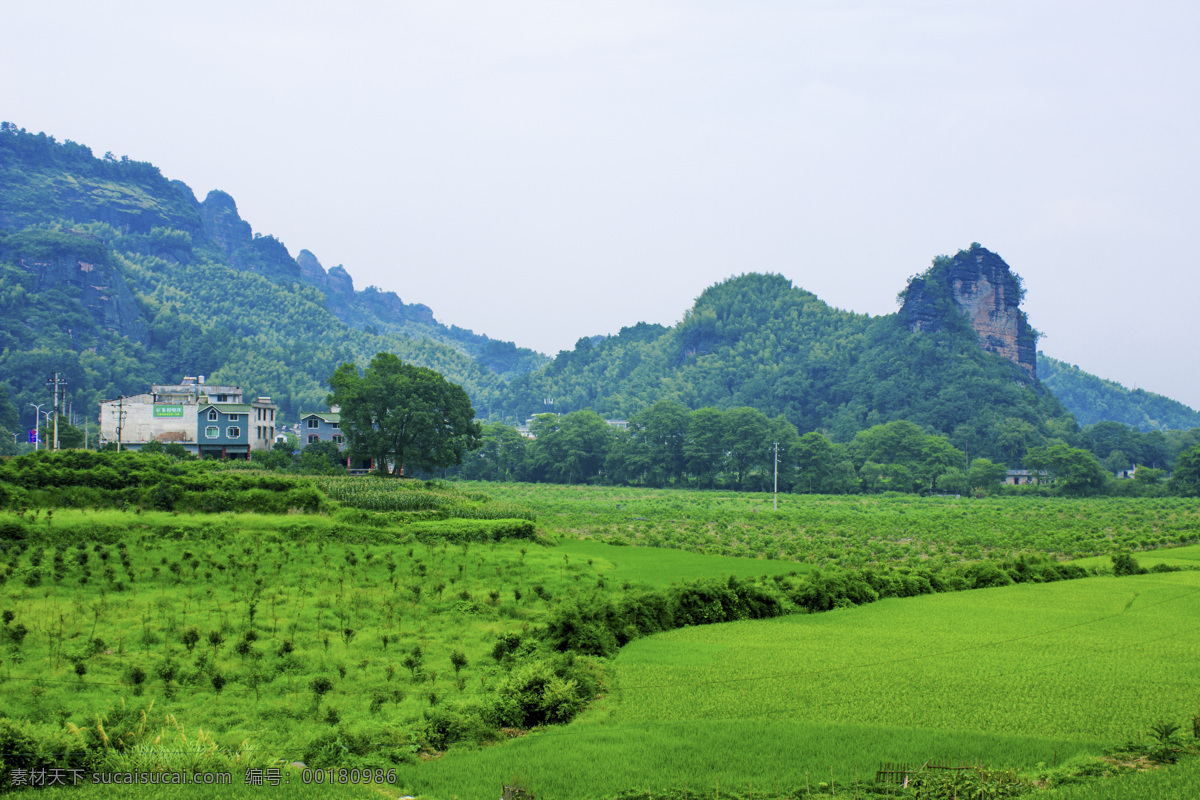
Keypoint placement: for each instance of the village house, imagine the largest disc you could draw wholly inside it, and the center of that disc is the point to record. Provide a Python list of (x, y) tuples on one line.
[(208, 420)]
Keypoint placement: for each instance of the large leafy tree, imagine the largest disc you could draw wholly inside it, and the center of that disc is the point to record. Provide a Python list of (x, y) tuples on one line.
[(1186, 480), (1075, 470), (500, 457), (572, 448), (657, 436), (408, 416)]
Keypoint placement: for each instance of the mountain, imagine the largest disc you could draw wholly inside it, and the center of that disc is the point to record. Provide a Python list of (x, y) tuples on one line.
[(959, 359), (117, 277), (1093, 400)]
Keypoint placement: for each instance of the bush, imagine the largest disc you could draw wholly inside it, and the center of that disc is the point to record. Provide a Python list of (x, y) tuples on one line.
[(26, 746), (457, 531)]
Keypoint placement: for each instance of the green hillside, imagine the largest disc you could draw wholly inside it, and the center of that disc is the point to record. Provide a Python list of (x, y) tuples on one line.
[(1092, 399), (117, 277), (757, 340)]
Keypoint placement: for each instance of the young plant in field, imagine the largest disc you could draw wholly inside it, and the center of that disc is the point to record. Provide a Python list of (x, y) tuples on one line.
[(136, 676), (319, 686), (413, 661), (1166, 741)]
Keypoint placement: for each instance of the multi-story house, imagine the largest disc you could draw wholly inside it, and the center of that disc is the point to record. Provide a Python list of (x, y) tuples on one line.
[(321, 426), (207, 419)]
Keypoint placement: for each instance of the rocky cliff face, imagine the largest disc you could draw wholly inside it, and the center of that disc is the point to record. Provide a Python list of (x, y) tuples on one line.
[(222, 222), (986, 291), (96, 285)]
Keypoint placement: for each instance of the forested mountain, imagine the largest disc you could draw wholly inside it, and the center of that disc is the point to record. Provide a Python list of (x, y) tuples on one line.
[(117, 277), (758, 341), (1092, 400)]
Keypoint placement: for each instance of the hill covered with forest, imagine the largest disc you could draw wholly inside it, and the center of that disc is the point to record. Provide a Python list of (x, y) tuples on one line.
[(1092, 400), (956, 360), (117, 277)]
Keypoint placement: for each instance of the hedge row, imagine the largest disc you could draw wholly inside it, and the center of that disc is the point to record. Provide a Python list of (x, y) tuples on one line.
[(599, 625)]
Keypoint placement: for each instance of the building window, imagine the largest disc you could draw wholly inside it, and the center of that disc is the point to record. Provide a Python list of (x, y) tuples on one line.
[(337, 438), (335, 425), (313, 422), (212, 432), (212, 415), (313, 438), (233, 432), (234, 417)]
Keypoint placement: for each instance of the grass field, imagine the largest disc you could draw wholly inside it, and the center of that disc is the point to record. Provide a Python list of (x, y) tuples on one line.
[(1022, 677), (270, 603), (1179, 782), (855, 530)]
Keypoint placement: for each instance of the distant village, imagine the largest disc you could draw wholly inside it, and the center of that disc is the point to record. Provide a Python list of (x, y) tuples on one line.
[(211, 420)]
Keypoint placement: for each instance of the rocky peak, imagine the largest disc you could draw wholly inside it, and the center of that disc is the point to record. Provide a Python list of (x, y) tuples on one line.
[(984, 289), (311, 268), (222, 222), (340, 281)]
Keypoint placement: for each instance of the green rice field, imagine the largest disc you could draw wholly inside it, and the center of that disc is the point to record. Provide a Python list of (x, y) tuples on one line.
[(1022, 677), (854, 530)]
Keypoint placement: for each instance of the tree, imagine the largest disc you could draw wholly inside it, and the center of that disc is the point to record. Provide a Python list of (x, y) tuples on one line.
[(1186, 480), (500, 457), (571, 448), (657, 435), (1075, 471), (407, 415), (815, 463), (703, 448), (953, 481), (321, 458), (984, 474), (746, 440)]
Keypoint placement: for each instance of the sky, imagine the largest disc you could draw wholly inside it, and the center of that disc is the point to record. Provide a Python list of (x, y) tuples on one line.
[(542, 171)]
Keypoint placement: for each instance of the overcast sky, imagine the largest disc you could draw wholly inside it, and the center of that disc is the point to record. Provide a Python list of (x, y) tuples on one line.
[(542, 171)]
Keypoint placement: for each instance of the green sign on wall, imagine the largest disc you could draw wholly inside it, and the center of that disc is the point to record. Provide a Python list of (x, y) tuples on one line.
[(168, 411)]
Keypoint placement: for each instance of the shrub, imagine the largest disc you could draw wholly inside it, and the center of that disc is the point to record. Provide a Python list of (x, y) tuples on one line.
[(27, 746)]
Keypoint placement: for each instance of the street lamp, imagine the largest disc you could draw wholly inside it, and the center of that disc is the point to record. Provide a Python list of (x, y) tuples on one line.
[(37, 438)]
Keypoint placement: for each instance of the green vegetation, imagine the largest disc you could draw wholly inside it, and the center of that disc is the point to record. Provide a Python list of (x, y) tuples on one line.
[(856, 531), (1017, 677), (756, 341), (397, 412), (118, 278), (294, 638), (1091, 400), (740, 448), (394, 620)]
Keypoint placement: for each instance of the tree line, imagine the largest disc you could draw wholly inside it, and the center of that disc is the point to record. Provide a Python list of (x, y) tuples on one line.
[(669, 445)]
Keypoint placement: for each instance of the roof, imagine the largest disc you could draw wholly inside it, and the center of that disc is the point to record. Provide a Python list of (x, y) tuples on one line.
[(228, 408), (328, 416)]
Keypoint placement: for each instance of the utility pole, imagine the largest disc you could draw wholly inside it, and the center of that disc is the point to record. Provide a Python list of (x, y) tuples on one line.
[(120, 414), (776, 499), (37, 421), (56, 380)]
